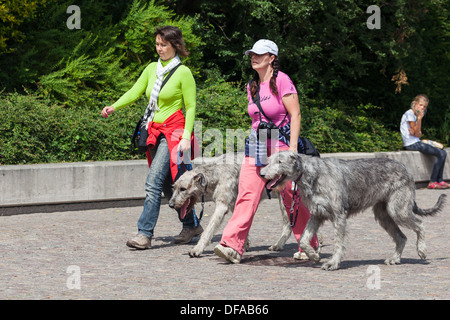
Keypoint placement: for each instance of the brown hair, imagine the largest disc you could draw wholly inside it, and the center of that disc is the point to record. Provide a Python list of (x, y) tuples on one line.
[(175, 37), (273, 80)]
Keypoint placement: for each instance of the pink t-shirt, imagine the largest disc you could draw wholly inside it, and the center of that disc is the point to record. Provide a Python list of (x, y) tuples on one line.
[(273, 106)]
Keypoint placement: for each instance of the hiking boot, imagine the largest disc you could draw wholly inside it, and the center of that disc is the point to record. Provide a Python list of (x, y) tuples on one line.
[(227, 253), (187, 234), (140, 242)]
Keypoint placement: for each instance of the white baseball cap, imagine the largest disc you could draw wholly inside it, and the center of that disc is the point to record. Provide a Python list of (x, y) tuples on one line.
[(263, 46)]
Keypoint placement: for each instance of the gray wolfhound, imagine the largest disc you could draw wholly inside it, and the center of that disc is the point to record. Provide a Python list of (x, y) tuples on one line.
[(335, 189), (219, 181)]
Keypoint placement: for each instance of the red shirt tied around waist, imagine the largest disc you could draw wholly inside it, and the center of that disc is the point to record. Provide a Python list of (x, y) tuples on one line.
[(172, 129)]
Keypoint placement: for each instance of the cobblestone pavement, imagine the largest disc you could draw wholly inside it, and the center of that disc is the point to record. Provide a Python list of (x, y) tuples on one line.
[(82, 255)]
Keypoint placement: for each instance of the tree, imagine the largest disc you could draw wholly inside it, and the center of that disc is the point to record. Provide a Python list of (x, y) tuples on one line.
[(330, 53), (99, 61), (12, 14)]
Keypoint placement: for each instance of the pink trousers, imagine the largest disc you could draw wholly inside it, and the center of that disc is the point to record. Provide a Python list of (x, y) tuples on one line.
[(251, 186)]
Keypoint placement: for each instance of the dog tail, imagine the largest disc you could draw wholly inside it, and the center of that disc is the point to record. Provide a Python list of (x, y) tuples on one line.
[(432, 211)]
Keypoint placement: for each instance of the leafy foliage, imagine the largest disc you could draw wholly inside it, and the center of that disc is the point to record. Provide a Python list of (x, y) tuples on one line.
[(12, 14), (327, 49), (36, 130), (336, 130), (354, 83), (100, 60)]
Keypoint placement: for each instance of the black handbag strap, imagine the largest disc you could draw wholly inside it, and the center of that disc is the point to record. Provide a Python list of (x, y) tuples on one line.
[(169, 75), (139, 124), (257, 100)]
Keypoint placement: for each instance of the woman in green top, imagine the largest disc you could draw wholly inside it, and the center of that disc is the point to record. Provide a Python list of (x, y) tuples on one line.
[(168, 128)]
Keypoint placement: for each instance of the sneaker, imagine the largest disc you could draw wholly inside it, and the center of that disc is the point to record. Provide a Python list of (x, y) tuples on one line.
[(436, 185), (227, 253), (187, 234), (140, 242)]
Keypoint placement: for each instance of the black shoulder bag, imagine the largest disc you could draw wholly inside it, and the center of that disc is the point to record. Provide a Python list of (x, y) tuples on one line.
[(305, 146), (140, 135)]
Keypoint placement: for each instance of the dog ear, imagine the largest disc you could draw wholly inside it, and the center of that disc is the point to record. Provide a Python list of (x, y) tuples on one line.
[(297, 160), (200, 179)]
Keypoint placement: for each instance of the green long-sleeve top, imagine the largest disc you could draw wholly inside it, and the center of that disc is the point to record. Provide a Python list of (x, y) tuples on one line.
[(179, 90)]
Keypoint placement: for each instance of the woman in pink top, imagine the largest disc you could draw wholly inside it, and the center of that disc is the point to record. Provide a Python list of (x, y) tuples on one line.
[(279, 101)]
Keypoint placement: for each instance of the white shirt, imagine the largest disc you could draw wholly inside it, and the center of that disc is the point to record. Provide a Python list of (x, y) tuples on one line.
[(408, 139)]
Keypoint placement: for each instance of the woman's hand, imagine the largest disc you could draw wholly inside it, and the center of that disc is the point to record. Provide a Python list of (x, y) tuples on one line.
[(184, 145), (293, 149), (420, 114), (107, 111)]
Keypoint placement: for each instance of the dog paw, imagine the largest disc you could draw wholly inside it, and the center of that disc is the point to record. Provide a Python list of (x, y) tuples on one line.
[(314, 257), (247, 245), (330, 266), (422, 254), (195, 253), (276, 247), (392, 261), (299, 255)]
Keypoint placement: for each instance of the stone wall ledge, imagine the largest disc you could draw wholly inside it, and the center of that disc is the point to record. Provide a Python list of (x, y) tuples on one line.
[(103, 181)]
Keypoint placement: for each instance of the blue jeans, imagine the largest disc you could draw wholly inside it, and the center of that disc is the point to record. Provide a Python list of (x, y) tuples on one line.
[(159, 179), (441, 155)]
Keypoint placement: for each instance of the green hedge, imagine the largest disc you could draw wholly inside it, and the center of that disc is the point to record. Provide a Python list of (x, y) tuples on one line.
[(37, 130), (223, 105), (356, 130)]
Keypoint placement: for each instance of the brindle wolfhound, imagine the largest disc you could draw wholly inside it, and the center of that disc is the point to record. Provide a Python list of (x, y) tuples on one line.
[(335, 189), (219, 181)]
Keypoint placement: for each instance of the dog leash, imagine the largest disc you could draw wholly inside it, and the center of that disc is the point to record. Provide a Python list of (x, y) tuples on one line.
[(189, 168), (295, 197)]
